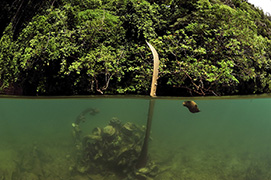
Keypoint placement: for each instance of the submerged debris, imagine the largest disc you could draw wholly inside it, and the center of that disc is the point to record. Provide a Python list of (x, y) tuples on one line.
[(114, 148), (82, 115), (76, 131)]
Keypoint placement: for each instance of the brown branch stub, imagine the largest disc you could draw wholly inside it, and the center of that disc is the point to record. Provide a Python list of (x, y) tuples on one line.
[(97, 86), (107, 82)]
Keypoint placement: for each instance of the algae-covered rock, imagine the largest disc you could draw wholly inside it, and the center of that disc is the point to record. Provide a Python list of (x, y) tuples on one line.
[(109, 130), (114, 148)]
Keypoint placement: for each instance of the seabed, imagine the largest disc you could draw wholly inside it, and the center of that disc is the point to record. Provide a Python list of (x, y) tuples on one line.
[(53, 161)]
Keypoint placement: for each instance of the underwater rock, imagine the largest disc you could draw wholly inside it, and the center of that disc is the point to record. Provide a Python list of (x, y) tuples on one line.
[(115, 122), (109, 130), (148, 172), (90, 138), (76, 128), (192, 106), (127, 128), (113, 148), (97, 131)]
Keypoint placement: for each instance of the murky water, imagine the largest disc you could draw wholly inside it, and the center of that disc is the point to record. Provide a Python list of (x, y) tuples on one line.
[(229, 139)]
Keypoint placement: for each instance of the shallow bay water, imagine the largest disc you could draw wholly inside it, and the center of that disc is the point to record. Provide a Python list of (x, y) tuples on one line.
[(229, 139)]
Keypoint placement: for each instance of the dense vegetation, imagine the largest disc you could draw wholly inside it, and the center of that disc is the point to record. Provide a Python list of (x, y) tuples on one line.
[(69, 47)]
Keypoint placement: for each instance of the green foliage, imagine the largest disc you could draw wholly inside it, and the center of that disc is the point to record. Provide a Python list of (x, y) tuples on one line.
[(206, 47), (8, 67), (54, 58), (218, 52), (141, 20)]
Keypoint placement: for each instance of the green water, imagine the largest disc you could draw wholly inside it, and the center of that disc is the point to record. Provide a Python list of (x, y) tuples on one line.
[(230, 139)]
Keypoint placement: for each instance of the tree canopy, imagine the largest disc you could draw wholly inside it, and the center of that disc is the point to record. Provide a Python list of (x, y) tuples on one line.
[(71, 47)]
